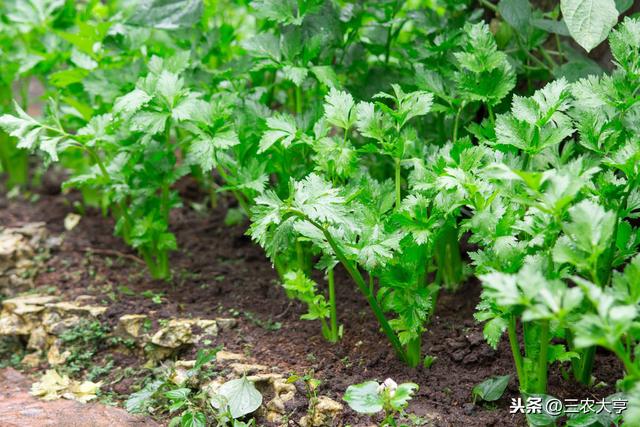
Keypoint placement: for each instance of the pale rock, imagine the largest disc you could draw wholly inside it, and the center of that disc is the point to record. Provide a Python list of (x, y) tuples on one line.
[(227, 356), (211, 388), (246, 368), (31, 360), (209, 327), (226, 323), (284, 390), (74, 308), (12, 324), (25, 264), (11, 244), (178, 332), (264, 379), (55, 355), (53, 386), (55, 324), (85, 299), (276, 405), (38, 340), (179, 374), (157, 353), (28, 304), (324, 412), (173, 335), (132, 325)]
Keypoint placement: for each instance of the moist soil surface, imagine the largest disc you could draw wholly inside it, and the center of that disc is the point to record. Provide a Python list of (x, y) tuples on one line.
[(219, 272)]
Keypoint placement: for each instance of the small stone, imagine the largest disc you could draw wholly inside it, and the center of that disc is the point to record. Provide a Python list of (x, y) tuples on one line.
[(211, 388), (74, 308), (227, 356), (284, 389), (55, 355), (181, 368), (12, 324), (276, 405), (226, 323), (209, 327), (38, 340), (274, 417), (27, 304), (157, 353), (132, 325), (31, 360), (246, 368), (175, 334), (324, 412), (267, 378), (55, 324)]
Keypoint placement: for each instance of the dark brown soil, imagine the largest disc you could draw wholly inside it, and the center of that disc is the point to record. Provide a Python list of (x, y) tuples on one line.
[(219, 271)]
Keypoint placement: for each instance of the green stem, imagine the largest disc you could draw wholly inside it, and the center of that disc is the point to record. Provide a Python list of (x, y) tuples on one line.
[(629, 366), (244, 205), (586, 367), (456, 122), (298, 100), (332, 307), (489, 5), (165, 200), (515, 350), (414, 351), (548, 58), (447, 256), (362, 285), (300, 257), (398, 177), (492, 116), (543, 358)]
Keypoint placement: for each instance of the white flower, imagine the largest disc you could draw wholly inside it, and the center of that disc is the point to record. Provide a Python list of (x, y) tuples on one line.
[(389, 385)]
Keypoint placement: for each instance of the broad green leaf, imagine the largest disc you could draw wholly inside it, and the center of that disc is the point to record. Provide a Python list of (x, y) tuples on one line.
[(517, 13), (364, 398), (589, 21), (193, 419), (167, 14), (139, 401), (178, 393), (239, 396), (492, 389)]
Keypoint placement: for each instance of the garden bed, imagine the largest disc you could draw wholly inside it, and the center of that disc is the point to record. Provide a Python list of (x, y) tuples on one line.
[(220, 273)]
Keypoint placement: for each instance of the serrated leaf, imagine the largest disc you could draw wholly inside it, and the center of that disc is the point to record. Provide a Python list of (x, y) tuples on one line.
[(282, 128), (131, 102)]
